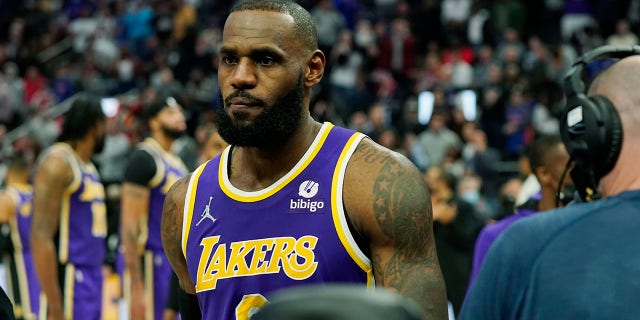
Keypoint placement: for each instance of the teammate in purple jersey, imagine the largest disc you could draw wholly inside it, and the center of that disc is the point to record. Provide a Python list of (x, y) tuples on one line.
[(15, 209), (69, 216), (150, 172), (292, 201)]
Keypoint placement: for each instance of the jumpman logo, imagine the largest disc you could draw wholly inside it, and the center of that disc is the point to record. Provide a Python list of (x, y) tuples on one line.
[(206, 213)]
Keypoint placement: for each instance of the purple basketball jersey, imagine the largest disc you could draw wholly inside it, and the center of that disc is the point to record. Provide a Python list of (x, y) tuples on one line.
[(28, 286), (241, 246), (169, 168), (83, 218)]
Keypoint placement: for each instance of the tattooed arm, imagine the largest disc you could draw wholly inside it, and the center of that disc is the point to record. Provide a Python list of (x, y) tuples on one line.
[(172, 214), (387, 201), (134, 204), (171, 232), (52, 178)]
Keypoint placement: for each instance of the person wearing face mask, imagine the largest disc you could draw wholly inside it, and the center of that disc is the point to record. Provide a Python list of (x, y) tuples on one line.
[(548, 158), (470, 191), (455, 228)]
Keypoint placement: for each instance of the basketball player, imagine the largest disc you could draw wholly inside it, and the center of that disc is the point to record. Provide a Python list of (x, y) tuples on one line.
[(15, 208), (293, 201), (580, 261), (150, 172), (69, 216)]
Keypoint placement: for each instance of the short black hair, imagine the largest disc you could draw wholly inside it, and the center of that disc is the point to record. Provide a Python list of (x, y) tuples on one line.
[(305, 27), (154, 107), (541, 148), (18, 162), (85, 112)]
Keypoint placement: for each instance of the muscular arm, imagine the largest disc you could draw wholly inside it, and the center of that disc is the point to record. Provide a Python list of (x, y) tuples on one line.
[(134, 208), (134, 204), (53, 176), (171, 232), (7, 207), (388, 202)]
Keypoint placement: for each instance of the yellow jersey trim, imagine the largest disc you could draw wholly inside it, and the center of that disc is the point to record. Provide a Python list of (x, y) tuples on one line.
[(254, 196), (189, 201), (155, 151), (69, 286), (338, 213), (21, 270), (75, 163)]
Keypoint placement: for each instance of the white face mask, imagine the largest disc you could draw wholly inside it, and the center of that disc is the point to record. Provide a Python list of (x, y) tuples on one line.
[(471, 196)]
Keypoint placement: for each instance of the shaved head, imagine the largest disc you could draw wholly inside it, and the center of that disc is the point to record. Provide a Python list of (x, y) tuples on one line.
[(620, 83), (305, 28)]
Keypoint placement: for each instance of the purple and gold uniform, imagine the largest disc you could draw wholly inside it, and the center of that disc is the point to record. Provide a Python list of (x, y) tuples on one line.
[(156, 268), (81, 241), (24, 288), (241, 246)]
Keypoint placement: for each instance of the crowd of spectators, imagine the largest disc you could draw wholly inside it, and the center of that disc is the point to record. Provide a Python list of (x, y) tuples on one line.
[(382, 56)]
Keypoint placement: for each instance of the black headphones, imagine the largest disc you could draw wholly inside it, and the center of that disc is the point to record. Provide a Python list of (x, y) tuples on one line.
[(590, 127)]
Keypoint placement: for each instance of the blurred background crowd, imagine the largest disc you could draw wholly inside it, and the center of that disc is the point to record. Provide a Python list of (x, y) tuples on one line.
[(461, 87)]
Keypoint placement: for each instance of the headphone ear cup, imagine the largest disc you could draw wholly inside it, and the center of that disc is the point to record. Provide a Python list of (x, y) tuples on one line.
[(611, 132)]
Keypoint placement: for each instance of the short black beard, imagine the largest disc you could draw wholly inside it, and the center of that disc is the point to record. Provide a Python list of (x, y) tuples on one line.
[(171, 133), (273, 127)]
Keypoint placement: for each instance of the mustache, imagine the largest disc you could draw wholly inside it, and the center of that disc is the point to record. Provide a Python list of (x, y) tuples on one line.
[(243, 94)]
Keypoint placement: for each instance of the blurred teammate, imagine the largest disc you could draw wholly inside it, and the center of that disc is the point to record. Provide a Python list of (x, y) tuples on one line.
[(69, 216), (151, 171), (16, 210)]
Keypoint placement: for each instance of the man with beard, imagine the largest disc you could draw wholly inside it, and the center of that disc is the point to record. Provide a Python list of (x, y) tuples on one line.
[(148, 176), (69, 216), (292, 201)]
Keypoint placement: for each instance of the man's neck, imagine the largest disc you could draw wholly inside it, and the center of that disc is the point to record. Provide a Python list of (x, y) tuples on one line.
[(165, 142), (266, 165), (83, 148), (548, 200), (17, 179)]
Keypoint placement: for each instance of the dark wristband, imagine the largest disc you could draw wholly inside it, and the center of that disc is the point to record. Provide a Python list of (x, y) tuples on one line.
[(189, 307)]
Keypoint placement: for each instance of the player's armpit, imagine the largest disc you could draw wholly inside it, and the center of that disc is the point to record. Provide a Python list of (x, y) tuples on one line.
[(171, 232), (387, 199)]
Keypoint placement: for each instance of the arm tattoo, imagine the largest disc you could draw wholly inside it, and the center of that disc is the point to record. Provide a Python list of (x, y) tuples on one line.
[(370, 154), (171, 226), (134, 192), (403, 213), (408, 225), (171, 230)]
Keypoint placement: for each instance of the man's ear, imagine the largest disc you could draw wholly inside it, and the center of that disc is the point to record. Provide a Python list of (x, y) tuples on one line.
[(542, 174), (151, 123), (315, 69)]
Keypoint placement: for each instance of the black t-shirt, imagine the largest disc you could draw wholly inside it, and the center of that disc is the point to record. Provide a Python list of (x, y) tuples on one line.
[(140, 169), (6, 308)]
